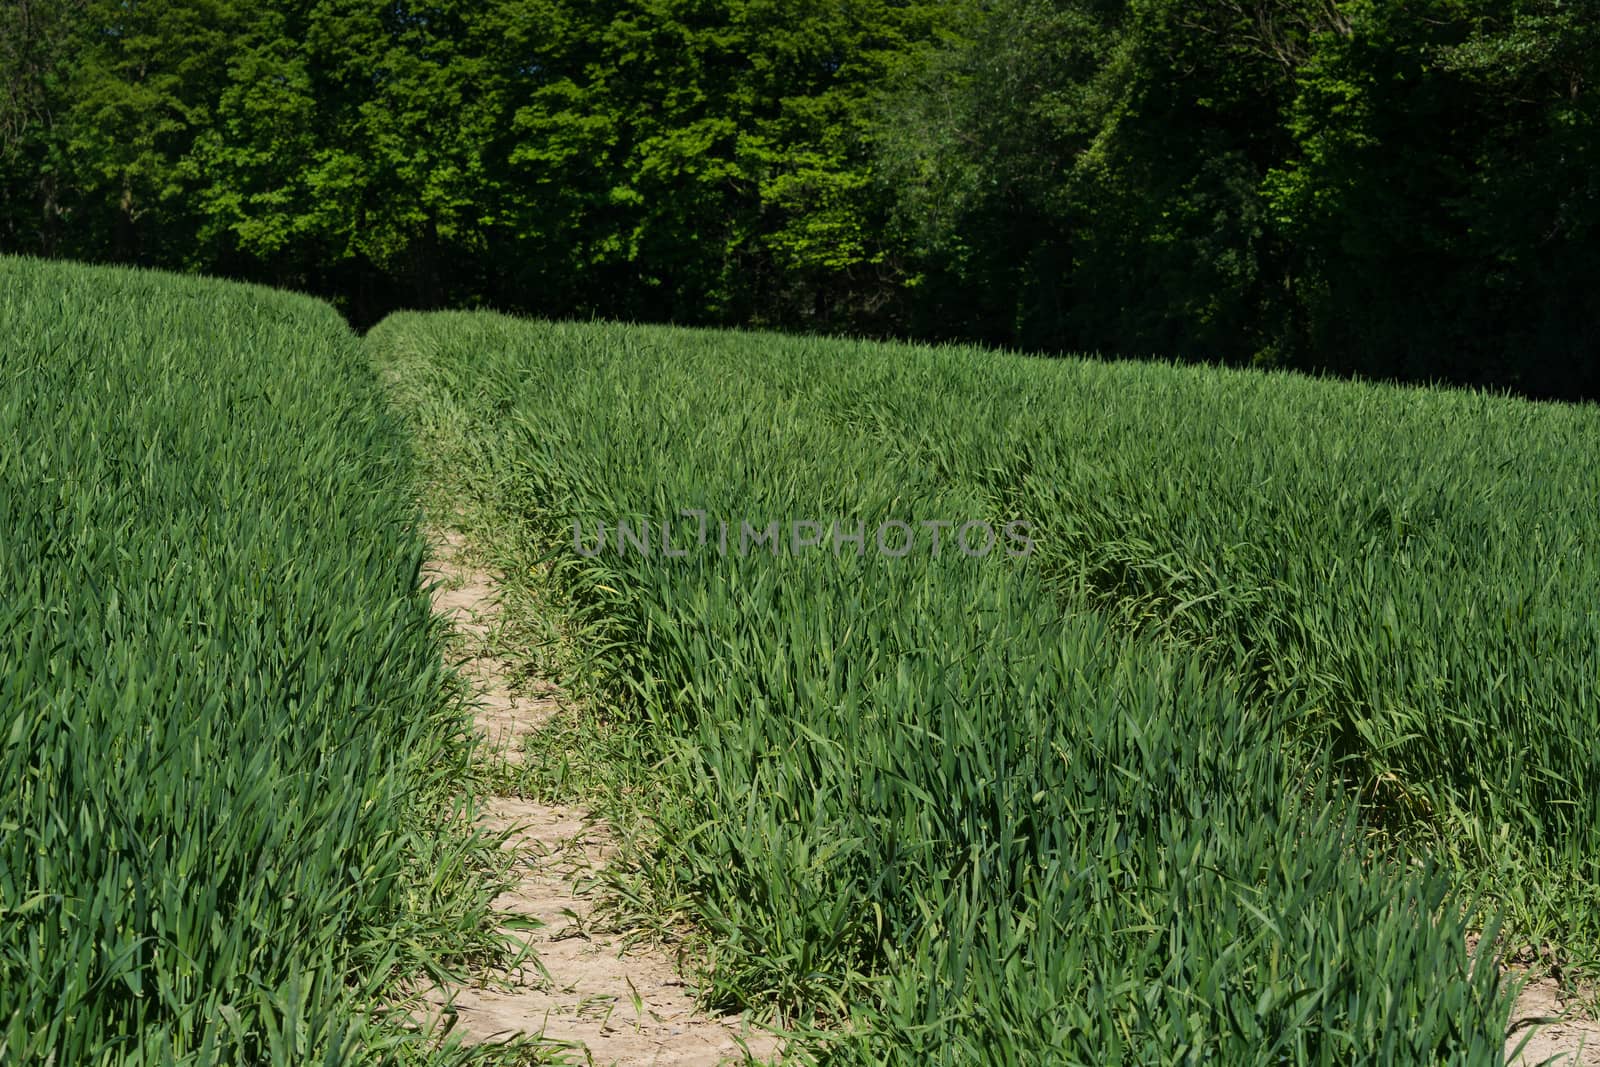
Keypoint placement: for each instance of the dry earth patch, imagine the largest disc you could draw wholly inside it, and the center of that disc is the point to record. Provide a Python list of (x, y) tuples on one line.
[(613, 995)]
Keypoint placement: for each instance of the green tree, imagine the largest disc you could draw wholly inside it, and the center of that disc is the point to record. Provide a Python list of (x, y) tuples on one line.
[(1091, 174), (349, 147), (1390, 190), (37, 42), (143, 88), (691, 160)]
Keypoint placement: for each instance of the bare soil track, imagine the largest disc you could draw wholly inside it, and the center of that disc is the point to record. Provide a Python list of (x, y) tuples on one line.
[(1570, 1041), (613, 998)]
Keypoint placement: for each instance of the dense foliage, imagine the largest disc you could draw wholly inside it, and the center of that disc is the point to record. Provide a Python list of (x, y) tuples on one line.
[(1401, 190), (1160, 791), (229, 761)]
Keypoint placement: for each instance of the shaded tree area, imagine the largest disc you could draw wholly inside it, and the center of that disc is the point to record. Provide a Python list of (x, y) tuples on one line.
[(1398, 191), (1392, 190), (664, 159)]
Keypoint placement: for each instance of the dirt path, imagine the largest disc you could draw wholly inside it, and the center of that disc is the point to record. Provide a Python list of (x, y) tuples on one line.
[(612, 1003), (1571, 1042)]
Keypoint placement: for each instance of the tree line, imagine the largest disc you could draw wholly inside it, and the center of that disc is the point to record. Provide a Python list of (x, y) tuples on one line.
[(1391, 190)]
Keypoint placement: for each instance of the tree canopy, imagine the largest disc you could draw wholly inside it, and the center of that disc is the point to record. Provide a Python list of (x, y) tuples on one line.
[(1392, 190)]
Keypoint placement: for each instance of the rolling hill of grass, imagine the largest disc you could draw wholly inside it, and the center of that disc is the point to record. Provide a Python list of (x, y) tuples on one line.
[(230, 759)]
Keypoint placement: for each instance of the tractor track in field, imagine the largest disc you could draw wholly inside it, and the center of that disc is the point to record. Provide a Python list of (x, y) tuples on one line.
[(612, 995)]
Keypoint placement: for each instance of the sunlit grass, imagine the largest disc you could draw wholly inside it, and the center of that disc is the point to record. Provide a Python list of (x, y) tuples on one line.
[(1210, 776), (232, 818)]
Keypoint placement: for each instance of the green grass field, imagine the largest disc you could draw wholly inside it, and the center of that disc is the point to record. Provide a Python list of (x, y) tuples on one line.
[(1299, 680), (230, 757), (1295, 690)]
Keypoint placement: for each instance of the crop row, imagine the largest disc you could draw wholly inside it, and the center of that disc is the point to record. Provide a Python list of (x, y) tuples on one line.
[(1410, 573), (228, 751)]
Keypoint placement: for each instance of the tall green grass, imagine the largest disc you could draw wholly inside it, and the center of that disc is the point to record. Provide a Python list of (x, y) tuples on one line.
[(228, 755), (1416, 568), (950, 809)]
